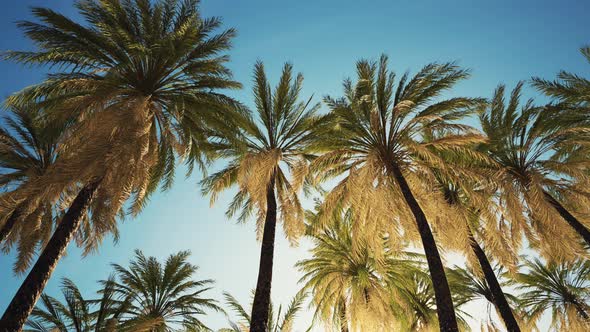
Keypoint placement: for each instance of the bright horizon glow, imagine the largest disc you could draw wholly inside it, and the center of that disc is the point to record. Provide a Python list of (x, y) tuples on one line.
[(501, 41)]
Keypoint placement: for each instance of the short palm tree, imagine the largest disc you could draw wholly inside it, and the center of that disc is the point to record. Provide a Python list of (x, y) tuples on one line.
[(267, 154), (77, 314), (561, 288), (540, 171), (351, 285), (28, 146), (162, 297), (378, 143), (279, 322), (140, 79)]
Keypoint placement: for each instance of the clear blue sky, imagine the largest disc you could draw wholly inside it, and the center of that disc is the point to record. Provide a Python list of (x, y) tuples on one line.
[(502, 41)]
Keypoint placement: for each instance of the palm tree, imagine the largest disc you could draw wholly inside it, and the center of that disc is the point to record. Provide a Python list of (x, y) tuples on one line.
[(377, 142), (562, 288), (540, 170), (567, 87), (475, 206), (262, 151), (350, 284), (77, 313), (276, 322), (161, 297), (140, 79), (28, 146)]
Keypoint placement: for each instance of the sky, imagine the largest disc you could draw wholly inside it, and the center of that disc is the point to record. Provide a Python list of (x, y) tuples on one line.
[(501, 41)]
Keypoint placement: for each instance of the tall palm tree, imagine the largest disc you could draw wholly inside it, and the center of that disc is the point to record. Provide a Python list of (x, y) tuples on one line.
[(140, 79), (540, 171), (351, 285), (279, 322), (562, 288), (377, 142), (479, 213), (28, 146), (162, 296), (77, 314), (268, 153)]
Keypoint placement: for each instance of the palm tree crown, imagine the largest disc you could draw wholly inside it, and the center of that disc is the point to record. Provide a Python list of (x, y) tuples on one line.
[(77, 314), (540, 167), (351, 286), (140, 79), (273, 144), (561, 288), (162, 297), (28, 147)]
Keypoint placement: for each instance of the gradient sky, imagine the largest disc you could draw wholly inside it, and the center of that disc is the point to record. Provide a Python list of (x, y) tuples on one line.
[(502, 41)]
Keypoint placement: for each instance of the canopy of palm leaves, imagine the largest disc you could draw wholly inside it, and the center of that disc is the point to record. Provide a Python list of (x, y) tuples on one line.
[(77, 314), (537, 150), (139, 78), (352, 287), (273, 142), (474, 204), (562, 289), (378, 125), (28, 146), (278, 322), (165, 297)]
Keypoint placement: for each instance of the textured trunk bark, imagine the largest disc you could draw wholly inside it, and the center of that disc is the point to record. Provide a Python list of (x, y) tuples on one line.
[(343, 320), (580, 309), (444, 303), (569, 218), (29, 292), (261, 305), (498, 297), (9, 224)]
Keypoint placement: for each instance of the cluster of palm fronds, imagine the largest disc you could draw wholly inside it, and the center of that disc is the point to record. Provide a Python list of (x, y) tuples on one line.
[(356, 289), (139, 87), (144, 297)]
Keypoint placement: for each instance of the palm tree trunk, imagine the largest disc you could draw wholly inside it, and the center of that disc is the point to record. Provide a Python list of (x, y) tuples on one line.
[(498, 297), (29, 292), (580, 310), (261, 305), (444, 303), (9, 224), (569, 218), (343, 320)]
